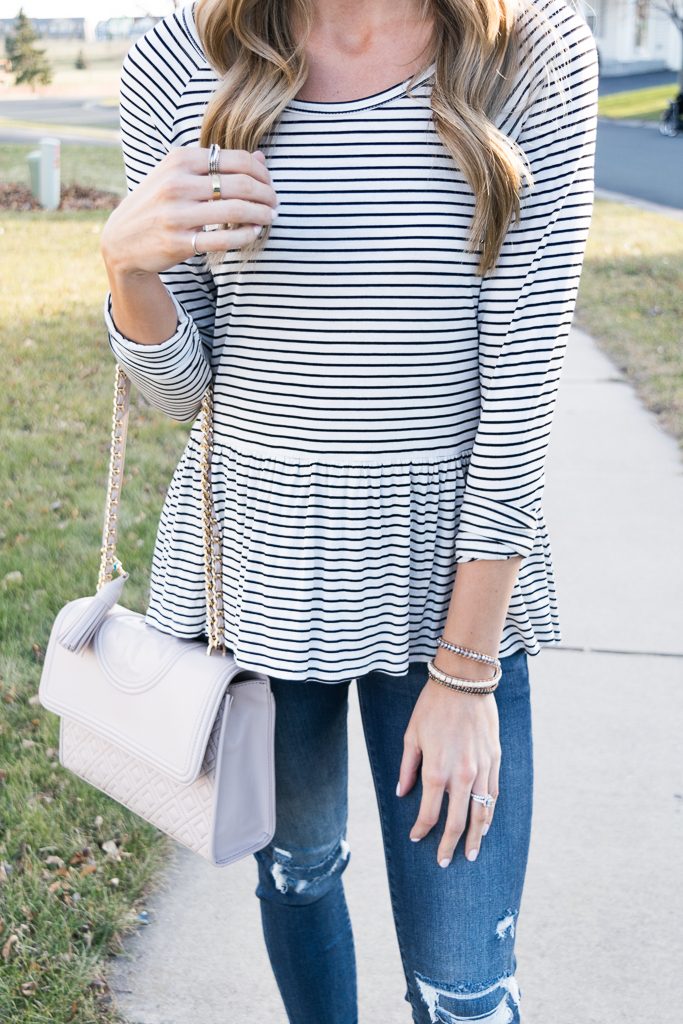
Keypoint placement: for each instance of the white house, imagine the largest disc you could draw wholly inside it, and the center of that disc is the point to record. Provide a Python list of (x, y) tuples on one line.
[(632, 35)]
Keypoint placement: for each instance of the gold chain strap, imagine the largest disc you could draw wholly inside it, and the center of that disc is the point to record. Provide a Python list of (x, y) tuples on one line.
[(213, 560), (212, 541), (119, 430)]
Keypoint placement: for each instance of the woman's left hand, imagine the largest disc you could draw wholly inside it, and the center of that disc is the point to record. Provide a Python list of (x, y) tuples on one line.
[(456, 735)]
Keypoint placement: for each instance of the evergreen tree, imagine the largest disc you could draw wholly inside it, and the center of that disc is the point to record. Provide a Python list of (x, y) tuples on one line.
[(29, 63)]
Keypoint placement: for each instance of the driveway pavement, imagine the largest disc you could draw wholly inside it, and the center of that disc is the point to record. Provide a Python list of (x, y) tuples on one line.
[(72, 110), (599, 936)]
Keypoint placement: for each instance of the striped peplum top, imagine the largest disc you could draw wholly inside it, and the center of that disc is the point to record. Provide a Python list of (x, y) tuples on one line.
[(382, 413)]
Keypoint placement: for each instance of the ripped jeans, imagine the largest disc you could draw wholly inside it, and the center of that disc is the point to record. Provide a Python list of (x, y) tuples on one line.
[(455, 926)]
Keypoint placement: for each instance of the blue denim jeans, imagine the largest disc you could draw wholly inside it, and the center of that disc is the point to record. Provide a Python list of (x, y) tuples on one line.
[(455, 926)]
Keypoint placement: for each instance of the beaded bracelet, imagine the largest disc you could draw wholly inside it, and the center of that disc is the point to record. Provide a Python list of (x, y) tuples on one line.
[(467, 685), (467, 652)]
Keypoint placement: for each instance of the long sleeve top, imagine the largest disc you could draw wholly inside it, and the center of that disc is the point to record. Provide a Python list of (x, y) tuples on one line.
[(381, 412)]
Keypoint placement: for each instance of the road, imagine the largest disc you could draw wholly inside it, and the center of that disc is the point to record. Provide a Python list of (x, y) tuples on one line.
[(639, 162), (625, 83), (46, 110)]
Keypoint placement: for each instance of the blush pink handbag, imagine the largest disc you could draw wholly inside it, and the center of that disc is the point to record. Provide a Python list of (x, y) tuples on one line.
[(179, 735)]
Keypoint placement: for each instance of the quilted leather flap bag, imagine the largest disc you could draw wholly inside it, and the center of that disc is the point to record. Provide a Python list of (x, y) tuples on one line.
[(184, 740)]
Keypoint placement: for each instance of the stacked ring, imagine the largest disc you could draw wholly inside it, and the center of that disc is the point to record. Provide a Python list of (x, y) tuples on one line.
[(483, 798), (214, 153)]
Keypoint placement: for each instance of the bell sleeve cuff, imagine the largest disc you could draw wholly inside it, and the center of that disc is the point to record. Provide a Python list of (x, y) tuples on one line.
[(172, 374)]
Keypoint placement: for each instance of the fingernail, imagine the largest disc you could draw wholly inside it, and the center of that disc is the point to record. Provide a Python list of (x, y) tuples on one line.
[(256, 229), (472, 855), (273, 213), (445, 862), (398, 789), (415, 839), (485, 830)]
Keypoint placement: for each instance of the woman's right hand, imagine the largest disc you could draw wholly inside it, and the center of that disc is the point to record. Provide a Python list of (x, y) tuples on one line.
[(152, 227)]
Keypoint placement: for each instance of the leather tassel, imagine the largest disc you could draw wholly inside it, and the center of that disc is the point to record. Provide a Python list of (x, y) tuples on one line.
[(79, 633)]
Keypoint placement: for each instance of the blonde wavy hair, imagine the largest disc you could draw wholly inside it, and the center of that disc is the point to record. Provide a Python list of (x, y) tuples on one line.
[(479, 48)]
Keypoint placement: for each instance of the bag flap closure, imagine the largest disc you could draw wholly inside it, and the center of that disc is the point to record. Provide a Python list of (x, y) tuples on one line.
[(153, 694)]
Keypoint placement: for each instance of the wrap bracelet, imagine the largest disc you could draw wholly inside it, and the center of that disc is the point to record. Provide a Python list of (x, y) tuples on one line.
[(467, 652), (466, 685)]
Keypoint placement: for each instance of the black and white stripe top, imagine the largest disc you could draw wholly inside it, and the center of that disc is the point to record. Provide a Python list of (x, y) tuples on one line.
[(382, 413)]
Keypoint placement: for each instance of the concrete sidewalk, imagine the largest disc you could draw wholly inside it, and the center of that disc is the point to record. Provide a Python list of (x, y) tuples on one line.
[(599, 935)]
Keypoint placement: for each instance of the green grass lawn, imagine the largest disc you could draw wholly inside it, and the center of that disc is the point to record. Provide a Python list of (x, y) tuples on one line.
[(96, 166), (644, 104), (66, 894), (631, 301)]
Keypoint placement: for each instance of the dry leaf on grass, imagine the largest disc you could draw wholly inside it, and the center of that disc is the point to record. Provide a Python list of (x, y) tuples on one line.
[(16, 196), (111, 850)]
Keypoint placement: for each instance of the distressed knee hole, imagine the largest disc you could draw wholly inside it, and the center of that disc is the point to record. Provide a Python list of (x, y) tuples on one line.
[(302, 875), (506, 925), (496, 1003)]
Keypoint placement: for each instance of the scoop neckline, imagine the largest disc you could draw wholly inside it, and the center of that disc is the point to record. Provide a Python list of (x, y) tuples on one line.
[(327, 106), (373, 100)]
